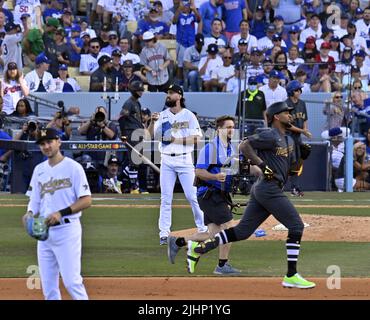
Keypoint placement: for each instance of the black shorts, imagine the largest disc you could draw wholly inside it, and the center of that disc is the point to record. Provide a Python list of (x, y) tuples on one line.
[(215, 208)]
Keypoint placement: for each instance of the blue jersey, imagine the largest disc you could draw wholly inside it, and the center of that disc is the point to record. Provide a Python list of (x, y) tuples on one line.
[(51, 12), (73, 55), (157, 27), (185, 33), (212, 156), (289, 44), (233, 13), (208, 12)]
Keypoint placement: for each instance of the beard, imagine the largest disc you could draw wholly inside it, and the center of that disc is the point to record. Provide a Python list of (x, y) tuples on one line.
[(170, 103)]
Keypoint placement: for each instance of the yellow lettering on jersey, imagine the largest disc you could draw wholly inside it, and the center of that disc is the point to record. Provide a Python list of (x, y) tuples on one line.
[(53, 185)]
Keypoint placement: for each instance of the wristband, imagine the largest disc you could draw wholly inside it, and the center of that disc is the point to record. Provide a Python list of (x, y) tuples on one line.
[(66, 211)]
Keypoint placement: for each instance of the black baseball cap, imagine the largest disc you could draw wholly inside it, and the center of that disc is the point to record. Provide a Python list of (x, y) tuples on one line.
[(146, 111), (128, 64), (46, 134), (116, 52), (176, 88), (212, 48), (103, 60), (113, 160), (199, 38)]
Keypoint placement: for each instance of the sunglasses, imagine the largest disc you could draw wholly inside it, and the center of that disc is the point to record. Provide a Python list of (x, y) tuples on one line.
[(338, 97), (357, 88), (94, 47), (227, 58)]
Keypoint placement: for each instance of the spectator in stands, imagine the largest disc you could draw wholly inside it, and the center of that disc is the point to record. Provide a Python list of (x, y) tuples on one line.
[(223, 74), (341, 30), (98, 128), (293, 38), (146, 117), (301, 76), (281, 65), (362, 25), (258, 24), (32, 7), (103, 35), (75, 44), (67, 21), (309, 67), (8, 15), (113, 43), (344, 68), (102, 79), (310, 47), (273, 91), (57, 52), (336, 112), (22, 109), (54, 8), (124, 46), (359, 43), (116, 63), (335, 49), (89, 62), (52, 24), (353, 6), (192, 56), (293, 59), (263, 77), (62, 125), (242, 55), (185, 18), (323, 56), (64, 83), (254, 106), (279, 23), (13, 87), (128, 75), (208, 65), (233, 13), (249, 40), (155, 58), (209, 10), (165, 16), (359, 62), (40, 80), (313, 29), (111, 181), (360, 111), (237, 83), (151, 24), (361, 167), (85, 37), (86, 28), (216, 36), (325, 81), (11, 50), (266, 43)]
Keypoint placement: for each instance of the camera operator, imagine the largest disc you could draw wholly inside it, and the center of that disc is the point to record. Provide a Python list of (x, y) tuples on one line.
[(99, 128), (28, 160), (62, 125)]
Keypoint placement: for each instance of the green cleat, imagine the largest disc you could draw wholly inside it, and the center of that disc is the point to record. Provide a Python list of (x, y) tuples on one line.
[(297, 281), (192, 257)]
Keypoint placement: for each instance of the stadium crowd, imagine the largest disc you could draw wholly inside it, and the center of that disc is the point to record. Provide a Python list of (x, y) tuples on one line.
[(254, 47)]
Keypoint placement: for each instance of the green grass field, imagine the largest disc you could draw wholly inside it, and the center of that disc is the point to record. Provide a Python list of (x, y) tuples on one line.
[(124, 241)]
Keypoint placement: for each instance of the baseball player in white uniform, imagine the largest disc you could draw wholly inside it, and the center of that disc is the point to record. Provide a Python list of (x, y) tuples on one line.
[(177, 128), (59, 191)]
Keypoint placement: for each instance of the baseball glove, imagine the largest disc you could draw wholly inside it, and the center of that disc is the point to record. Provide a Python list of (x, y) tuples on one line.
[(36, 227), (166, 133), (305, 150)]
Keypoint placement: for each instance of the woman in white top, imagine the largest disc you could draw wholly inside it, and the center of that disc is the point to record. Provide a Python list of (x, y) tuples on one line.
[(64, 83), (13, 87)]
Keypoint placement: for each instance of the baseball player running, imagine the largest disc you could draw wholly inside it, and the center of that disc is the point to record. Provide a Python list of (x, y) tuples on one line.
[(59, 192), (214, 185), (275, 158), (177, 129)]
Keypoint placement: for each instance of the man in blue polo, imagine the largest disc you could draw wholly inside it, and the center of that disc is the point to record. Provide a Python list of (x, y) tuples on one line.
[(208, 11)]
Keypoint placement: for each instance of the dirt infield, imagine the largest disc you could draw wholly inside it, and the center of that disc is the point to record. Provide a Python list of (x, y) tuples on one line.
[(197, 288)]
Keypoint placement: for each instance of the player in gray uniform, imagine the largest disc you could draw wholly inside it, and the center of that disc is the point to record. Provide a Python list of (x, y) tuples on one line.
[(275, 157)]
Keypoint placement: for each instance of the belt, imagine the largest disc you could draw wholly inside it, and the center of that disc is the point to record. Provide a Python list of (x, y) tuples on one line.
[(66, 220), (175, 154)]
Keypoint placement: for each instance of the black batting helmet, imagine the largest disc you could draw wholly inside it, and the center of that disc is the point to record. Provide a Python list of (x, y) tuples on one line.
[(136, 86), (276, 108)]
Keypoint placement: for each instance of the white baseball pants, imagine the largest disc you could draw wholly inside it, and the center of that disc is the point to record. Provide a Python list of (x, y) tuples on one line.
[(61, 252), (171, 167)]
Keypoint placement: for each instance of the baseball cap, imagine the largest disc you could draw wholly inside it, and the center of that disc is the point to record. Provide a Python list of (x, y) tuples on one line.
[(359, 10), (267, 60), (146, 111), (276, 37), (53, 22), (242, 42), (252, 80), (335, 38), (11, 26), (294, 28), (12, 66), (103, 60), (309, 10), (83, 34), (212, 48), (63, 67), (76, 28), (127, 64), (199, 38), (360, 53), (42, 58), (46, 134), (274, 74), (255, 50), (105, 27), (271, 28), (112, 33), (116, 52), (148, 35), (355, 69), (325, 45), (278, 17), (151, 9), (344, 16), (347, 49), (176, 88), (260, 8), (113, 160)]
